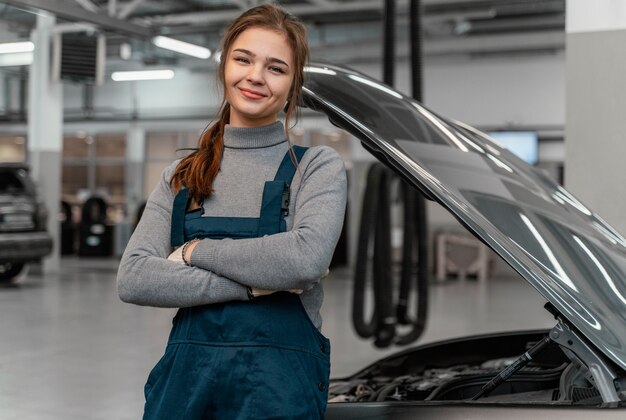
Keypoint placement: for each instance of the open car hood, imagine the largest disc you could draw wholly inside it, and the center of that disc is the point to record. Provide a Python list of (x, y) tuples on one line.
[(568, 253)]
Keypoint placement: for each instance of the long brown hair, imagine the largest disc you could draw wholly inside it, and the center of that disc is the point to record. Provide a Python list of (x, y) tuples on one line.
[(198, 170)]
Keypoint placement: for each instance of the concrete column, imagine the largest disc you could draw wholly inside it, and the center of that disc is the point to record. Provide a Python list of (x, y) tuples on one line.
[(595, 129), (45, 131), (5, 93), (135, 156)]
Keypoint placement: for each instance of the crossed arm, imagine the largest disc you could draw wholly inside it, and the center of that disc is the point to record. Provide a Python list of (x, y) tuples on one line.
[(223, 269)]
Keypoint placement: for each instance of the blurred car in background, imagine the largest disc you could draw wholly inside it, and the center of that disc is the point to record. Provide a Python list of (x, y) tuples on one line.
[(23, 217)]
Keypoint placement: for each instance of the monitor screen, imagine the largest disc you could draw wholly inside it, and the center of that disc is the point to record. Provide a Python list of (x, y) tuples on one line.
[(522, 143)]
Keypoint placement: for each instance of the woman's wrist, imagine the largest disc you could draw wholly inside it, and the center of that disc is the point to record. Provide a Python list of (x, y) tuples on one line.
[(187, 250)]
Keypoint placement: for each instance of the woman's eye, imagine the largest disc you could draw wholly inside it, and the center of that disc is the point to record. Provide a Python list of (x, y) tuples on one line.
[(242, 59), (277, 69)]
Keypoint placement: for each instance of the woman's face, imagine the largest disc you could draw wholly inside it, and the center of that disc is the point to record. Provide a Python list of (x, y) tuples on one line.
[(258, 76)]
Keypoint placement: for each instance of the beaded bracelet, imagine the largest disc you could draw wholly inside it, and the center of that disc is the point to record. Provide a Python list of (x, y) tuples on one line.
[(184, 250)]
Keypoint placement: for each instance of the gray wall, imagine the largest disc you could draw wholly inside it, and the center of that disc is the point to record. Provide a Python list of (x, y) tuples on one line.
[(495, 91), (596, 123)]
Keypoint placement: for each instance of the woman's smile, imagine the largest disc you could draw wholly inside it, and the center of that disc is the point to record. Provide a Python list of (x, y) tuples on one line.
[(252, 94)]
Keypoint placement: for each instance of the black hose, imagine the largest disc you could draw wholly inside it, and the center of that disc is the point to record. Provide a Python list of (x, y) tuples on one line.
[(389, 44), (369, 214), (415, 232), (415, 216), (383, 282), (375, 234), (408, 255), (376, 220), (415, 30)]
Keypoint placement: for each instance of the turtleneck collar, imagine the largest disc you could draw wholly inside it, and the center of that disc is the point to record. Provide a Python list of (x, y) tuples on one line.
[(254, 137)]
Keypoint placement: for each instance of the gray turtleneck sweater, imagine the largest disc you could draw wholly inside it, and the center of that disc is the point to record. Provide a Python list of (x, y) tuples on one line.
[(221, 269)]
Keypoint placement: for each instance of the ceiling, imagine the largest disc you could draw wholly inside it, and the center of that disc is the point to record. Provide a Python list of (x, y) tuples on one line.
[(344, 31)]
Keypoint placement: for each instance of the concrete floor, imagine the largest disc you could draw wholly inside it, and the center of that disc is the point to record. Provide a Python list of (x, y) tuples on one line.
[(69, 349)]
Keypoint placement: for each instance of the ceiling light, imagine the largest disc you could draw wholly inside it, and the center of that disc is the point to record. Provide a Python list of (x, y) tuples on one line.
[(16, 47), (181, 47), (123, 76), (16, 59), (126, 51)]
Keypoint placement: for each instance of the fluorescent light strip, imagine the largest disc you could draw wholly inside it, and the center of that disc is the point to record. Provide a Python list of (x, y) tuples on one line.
[(16, 47), (181, 47), (16, 59), (125, 76)]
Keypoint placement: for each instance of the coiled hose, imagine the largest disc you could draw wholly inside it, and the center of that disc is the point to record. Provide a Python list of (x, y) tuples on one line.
[(375, 240)]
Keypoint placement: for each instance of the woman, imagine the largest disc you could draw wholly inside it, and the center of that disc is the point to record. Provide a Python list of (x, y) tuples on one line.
[(246, 342)]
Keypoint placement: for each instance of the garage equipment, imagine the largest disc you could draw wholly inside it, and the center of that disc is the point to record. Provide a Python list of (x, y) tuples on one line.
[(375, 242), (96, 237), (375, 221), (68, 230), (462, 254)]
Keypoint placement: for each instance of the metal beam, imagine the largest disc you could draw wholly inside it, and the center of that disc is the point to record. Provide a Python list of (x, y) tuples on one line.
[(322, 3), (112, 7), (369, 52), (241, 4), (219, 17), (128, 8), (64, 10), (87, 4)]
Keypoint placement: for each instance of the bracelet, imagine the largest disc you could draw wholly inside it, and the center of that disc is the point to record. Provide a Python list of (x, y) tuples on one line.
[(184, 250)]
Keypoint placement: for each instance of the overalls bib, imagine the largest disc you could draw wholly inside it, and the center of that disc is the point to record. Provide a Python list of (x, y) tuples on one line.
[(260, 359)]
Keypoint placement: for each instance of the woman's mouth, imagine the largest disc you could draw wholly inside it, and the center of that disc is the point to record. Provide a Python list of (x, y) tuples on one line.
[(251, 94)]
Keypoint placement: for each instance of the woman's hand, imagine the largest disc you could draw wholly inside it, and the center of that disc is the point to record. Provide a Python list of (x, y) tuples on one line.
[(262, 292), (177, 255)]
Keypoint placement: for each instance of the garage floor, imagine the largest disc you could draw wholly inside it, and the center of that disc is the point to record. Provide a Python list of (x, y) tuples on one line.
[(69, 349)]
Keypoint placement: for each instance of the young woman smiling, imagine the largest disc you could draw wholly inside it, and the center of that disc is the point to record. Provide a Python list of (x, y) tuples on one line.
[(238, 235)]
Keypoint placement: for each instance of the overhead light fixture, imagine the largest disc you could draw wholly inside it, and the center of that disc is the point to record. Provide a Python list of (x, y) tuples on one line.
[(16, 47), (16, 53), (125, 76), (16, 59), (181, 47), (126, 51)]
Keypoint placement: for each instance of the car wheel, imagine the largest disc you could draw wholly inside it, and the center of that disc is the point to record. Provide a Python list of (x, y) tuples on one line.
[(9, 270)]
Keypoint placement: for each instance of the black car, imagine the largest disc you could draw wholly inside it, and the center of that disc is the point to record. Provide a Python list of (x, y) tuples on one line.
[(23, 236), (564, 250)]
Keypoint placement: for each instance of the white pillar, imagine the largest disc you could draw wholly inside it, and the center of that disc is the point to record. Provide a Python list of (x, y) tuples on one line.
[(135, 156), (45, 131), (595, 129)]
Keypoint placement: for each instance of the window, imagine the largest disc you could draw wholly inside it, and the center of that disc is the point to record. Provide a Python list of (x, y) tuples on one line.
[(12, 148), (95, 165), (161, 150)]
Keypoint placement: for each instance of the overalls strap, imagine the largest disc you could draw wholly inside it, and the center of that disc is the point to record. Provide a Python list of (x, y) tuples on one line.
[(179, 208), (276, 195), (287, 169), (274, 207)]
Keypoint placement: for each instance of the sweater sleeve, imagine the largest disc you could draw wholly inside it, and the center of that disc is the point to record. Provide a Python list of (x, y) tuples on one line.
[(145, 275), (296, 259)]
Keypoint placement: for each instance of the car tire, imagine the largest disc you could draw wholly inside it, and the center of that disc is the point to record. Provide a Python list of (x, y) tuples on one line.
[(9, 270)]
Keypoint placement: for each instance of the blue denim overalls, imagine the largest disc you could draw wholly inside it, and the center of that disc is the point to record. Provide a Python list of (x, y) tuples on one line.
[(260, 359)]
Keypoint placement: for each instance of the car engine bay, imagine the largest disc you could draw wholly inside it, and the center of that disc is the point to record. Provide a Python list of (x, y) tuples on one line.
[(555, 376)]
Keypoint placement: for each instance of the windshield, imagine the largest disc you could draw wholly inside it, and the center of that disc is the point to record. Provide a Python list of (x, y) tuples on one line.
[(569, 254), (10, 183)]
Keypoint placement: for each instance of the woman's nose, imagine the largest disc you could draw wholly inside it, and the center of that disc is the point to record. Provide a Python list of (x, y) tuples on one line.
[(255, 74)]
